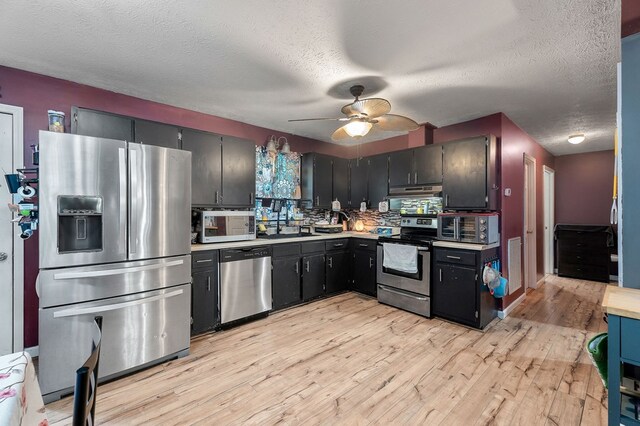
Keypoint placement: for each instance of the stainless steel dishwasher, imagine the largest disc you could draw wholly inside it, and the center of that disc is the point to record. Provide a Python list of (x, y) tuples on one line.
[(245, 282)]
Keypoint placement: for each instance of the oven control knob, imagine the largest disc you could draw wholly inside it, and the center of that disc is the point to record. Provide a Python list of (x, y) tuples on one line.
[(483, 228), (483, 221), (483, 236)]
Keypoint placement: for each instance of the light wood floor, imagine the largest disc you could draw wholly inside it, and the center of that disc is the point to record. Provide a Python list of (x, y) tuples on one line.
[(350, 360)]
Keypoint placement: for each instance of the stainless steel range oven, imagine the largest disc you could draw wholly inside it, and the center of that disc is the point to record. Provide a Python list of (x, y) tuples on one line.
[(407, 285)]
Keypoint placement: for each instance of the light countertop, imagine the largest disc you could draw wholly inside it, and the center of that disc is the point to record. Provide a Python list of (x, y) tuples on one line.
[(624, 302), (267, 242), (465, 246)]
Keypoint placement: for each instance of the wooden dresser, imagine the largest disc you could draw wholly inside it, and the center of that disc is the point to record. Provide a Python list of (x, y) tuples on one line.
[(584, 251)]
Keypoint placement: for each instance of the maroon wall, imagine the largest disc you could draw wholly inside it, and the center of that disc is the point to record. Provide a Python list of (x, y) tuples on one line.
[(516, 143), (584, 187), (630, 17), (37, 93)]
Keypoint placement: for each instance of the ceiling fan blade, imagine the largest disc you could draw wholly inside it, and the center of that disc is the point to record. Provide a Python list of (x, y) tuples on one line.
[(321, 119), (340, 134), (393, 122), (372, 107)]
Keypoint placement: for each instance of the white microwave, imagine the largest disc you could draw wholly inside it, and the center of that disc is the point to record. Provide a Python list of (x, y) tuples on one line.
[(230, 225)]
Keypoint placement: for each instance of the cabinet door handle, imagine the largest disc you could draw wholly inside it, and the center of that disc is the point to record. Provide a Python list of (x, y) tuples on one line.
[(217, 197), (297, 270), (415, 177), (331, 262), (338, 244), (317, 200), (251, 198), (446, 200), (209, 283), (440, 274), (204, 260), (307, 266), (409, 178), (453, 257), (363, 245), (370, 262)]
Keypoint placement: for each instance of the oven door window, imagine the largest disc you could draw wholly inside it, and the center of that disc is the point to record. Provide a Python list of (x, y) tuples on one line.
[(416, 276), (468, 229)]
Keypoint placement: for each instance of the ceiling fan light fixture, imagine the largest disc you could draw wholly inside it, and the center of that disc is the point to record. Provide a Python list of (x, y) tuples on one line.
[(357, 128), (576, 139)]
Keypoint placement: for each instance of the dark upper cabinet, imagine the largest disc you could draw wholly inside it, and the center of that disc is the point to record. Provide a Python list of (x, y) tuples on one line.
[(378, 180), (341, 181), (206, 166), (317, 179), (158, 134), (337, 267), (286, 282), (427, 164), (99, 124), (419, 166), (313, 276), (401, 171), (470, 174), (238, 172), (358, 168)]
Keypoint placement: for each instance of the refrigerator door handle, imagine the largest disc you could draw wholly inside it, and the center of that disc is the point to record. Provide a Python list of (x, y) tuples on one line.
[(104, 308), (118, 271), (122, 171), (133, 213)]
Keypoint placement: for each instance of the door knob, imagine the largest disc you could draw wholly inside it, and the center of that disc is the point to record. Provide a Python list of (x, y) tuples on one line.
[(3, 257)]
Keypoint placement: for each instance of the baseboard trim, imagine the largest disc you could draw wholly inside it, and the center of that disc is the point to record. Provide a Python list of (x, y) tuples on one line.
[(33, 351), (541, 281), (503, 314)]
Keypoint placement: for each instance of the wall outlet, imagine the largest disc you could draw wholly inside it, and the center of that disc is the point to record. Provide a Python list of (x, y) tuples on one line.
[(507, 192)]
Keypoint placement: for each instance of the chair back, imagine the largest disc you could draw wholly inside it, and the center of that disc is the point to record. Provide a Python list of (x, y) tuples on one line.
[(84, 397)]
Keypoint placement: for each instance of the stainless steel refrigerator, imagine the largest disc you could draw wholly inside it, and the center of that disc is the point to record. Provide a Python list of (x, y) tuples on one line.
[(114, 241)]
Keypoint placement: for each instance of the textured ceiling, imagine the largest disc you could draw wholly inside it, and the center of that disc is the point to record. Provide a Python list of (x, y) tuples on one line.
[(550, 65)]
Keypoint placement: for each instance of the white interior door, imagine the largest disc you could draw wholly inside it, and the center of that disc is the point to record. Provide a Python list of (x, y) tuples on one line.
[(529, 222), (549, 218), (11, 249)]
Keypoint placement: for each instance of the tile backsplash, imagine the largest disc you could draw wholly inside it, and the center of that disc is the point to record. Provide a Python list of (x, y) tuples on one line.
[(370, 218)]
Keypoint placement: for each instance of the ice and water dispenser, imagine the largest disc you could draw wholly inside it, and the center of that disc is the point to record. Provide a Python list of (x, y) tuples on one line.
[(79, 223)]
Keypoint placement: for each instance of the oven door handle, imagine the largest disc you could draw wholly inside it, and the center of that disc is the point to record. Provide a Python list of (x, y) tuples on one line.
[(390, 290)]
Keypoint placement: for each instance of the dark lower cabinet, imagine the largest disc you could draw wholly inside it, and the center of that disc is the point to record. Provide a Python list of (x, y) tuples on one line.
[(457, 291), (204, 292), (337, 271), (286, 282), (454, 295), (364, 271), (313, 276)]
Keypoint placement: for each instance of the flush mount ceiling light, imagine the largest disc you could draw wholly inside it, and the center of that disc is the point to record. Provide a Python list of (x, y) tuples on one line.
[(364, 114), (357, 128), (576, 139)]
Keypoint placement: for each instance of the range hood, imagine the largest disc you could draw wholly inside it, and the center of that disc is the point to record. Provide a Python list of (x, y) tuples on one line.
[(416, 191)]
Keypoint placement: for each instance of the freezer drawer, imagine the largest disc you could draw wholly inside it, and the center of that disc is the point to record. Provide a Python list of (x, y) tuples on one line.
[(77, 285), (136, 330)]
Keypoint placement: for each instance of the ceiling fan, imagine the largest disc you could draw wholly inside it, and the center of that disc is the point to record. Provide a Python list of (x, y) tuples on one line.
[(364, 114)]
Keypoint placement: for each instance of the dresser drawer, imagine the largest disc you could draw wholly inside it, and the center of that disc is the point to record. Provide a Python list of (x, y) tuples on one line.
[(585, 272), (585, 257), (630, 343)]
